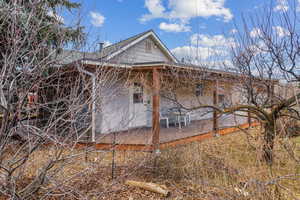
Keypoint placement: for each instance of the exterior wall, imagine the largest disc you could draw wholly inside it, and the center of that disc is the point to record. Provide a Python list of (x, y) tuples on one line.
[(234, 96), (140, 113), (187, 97), (112, 109), (139, 54), (231, 91), (117, 112), (286, 90), (115, 107)]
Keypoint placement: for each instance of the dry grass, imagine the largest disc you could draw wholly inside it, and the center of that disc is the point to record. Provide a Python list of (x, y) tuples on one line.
[(230, 163), (227, 167)]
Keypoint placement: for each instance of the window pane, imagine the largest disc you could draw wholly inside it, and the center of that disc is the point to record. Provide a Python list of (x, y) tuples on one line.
[(221, 98), (199, 89), (137, 98), (137, 93)]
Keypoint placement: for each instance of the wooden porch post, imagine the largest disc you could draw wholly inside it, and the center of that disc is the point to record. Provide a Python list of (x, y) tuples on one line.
[(155, 109), (249, 114), (272, 92), (249, 118), (215, 114)]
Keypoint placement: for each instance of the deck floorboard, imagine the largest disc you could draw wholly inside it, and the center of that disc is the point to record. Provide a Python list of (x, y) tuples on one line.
[(143, 136)]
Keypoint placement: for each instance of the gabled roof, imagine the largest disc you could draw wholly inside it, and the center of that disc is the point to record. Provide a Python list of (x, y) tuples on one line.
[(113, 50)]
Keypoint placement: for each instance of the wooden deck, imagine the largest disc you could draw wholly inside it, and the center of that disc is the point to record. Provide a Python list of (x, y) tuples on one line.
[(143, 136)]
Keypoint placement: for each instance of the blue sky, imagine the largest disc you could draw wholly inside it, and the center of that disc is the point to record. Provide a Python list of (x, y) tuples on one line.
[(179, 23)]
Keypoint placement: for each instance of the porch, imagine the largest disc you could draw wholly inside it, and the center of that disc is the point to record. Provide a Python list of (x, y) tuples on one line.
[(144, 105), (144, 135)]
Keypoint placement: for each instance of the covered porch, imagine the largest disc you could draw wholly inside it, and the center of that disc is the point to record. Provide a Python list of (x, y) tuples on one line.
[(158, 132), (144, 135)]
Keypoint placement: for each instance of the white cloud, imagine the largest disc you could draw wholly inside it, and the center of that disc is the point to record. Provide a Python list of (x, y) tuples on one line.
[(188, 9), (282, 5), (256, 32), (281, 32), (59, 18), (205, 48), (195, 54), (97, 19), (174, 27), (211, 41), (155, 8), (200, 56), (182, 11)]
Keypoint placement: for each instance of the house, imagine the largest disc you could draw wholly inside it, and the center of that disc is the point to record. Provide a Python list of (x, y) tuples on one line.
[(147, 76)]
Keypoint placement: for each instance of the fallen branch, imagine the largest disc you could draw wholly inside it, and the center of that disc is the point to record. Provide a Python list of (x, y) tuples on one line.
[(161, 189)]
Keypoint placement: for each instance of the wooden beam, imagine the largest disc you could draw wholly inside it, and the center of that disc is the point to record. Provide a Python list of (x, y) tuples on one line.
[(249, 118), (215, 114), (272, 93), (155, 109), (139, 68)]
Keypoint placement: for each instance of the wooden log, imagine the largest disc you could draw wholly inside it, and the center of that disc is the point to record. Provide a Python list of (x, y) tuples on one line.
[(160, 189)]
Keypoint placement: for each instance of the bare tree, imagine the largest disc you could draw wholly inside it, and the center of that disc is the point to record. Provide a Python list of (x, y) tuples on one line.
[(41, 103), (265, 54), (268, 50), (50, 97)]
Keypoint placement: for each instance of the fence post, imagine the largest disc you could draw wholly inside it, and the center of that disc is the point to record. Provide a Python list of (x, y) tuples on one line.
[(215, 114)]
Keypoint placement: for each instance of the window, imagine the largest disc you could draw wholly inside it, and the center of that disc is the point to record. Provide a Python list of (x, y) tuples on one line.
[(137, 93), (148, 46), (221, 98), (199, 89)]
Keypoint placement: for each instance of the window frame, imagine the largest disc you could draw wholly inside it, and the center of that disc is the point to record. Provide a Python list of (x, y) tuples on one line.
[(138, 93), (221, 96), (199, 89)]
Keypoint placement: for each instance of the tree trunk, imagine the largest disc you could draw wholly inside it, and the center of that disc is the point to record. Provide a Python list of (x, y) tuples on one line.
[(269, 136)]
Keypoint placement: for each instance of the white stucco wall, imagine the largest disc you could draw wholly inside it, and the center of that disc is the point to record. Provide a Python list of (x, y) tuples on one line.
[(117, 111), (187, 97), (113, 108)]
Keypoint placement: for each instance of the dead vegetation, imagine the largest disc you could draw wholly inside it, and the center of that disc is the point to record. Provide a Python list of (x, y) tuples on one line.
[(227, 167)]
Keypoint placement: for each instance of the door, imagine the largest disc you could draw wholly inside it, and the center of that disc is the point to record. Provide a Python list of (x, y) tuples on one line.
[(138, 106)]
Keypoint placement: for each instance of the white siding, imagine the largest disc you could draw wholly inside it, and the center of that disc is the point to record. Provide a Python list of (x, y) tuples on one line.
[(188, 99), (116, 107), (139, 54), (113, 115), (116, 110)]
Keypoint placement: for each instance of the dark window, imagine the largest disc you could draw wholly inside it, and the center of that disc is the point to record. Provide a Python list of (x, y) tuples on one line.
[(137, 93), (199, 89), (221, 98)]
